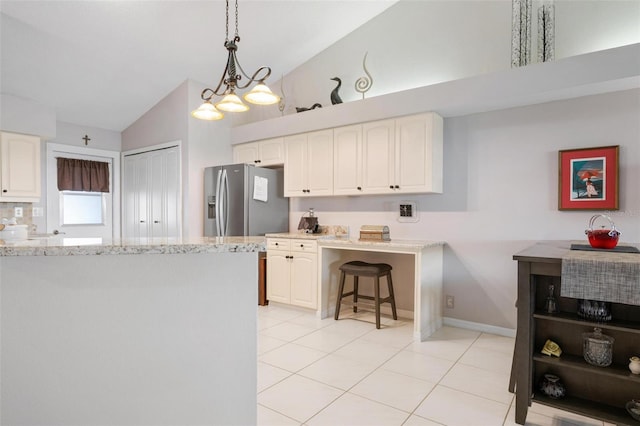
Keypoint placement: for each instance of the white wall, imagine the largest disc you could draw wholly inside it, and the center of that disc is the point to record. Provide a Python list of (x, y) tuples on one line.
[(419, 43), (25, 116), (500, 195)]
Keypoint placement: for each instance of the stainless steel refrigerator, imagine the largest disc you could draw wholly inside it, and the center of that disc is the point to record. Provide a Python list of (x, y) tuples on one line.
[(244, 200)]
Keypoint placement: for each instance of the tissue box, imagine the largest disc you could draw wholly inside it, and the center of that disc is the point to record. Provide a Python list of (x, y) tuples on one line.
[(374, 233)]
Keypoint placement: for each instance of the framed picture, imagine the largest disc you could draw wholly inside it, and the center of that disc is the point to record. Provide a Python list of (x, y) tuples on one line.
[(588, 178)]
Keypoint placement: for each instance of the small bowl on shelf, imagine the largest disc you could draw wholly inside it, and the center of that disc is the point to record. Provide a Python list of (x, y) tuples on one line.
[(633, 408)]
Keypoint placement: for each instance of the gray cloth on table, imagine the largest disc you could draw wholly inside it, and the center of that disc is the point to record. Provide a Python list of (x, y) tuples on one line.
[(608, 277)]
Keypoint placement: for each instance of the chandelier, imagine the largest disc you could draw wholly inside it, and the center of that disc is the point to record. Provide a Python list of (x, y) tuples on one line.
[(230, 81)]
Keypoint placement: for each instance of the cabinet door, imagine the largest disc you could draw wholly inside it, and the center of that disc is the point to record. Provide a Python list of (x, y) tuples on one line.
[(347, 160), (20, 167), (271, 152), (320, 163), (304, 280), (247, 153), (295, 154), (417, 155), (278, 276), (378, 157)]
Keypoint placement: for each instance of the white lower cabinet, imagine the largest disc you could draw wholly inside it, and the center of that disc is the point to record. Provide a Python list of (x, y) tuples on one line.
[(292, 275)]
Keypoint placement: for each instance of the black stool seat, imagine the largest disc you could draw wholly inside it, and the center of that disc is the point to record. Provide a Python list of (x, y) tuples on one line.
[(364, 269)]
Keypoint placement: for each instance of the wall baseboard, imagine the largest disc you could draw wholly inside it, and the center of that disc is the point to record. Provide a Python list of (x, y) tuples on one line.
[(486, 328)]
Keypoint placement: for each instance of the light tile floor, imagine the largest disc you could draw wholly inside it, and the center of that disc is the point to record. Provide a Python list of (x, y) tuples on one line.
[(325, 372)]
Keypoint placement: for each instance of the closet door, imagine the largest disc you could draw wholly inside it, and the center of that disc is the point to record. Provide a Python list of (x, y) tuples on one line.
[(151, 195)]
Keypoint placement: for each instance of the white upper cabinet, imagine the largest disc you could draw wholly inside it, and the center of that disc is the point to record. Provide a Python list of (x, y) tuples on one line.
[(401, 155), (308, 165), (21, 167), (347, 160), (269, 152), (418, 154)]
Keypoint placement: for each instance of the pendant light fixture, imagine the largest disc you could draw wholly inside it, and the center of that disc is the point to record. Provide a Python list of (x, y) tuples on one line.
[(230, 81)]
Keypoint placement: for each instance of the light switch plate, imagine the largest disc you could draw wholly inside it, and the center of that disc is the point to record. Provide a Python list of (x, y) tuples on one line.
[(407, 211)]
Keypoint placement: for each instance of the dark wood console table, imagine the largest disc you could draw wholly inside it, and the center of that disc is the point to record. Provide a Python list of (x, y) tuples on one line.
[(591, 391)]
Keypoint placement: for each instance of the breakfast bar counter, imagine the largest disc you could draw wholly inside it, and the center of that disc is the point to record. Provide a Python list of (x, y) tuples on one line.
[(158, 332)]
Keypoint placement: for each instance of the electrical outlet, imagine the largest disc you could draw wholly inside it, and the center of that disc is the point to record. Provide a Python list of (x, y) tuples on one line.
[(449, 301), (38, 212), (17, 212)]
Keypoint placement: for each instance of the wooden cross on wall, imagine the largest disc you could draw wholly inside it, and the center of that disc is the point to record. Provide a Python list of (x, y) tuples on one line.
[(86, 139)]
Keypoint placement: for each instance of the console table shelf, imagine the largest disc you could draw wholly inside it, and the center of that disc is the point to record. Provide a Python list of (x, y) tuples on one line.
[(598, 392), (588, 408)]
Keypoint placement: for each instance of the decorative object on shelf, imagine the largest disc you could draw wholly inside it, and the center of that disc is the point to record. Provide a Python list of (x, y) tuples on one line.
[(309, 224), (374, 233), (86, 139), (231, 76), (520, 33), (551, 386), (282, 102), (594, 310), (633, 408), (551, 304), (335, 97), (588, 178), (363, 84), (634, 365), (314, 106), (598, 348), (551, 348), (546, 32), (603, 237)]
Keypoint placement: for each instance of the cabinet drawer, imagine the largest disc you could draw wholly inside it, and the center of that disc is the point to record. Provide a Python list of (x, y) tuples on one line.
[(303, 245), (278, 244)]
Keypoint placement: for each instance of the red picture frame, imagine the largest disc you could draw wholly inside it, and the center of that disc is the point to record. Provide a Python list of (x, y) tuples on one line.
[(588, 178)]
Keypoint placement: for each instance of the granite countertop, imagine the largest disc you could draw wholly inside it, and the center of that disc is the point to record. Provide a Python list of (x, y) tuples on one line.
[(299, 235), (63, 246), (393, 243)]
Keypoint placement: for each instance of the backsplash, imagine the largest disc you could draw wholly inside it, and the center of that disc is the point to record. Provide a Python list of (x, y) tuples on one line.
[(7, 210)]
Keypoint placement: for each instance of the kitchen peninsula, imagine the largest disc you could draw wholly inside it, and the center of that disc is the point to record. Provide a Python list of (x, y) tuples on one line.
[(129, 332)]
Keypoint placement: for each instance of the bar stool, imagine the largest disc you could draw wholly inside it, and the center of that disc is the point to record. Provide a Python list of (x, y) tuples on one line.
[(364, 269)]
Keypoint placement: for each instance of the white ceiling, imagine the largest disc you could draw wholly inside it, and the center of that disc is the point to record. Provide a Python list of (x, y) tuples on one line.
[(105, 63)]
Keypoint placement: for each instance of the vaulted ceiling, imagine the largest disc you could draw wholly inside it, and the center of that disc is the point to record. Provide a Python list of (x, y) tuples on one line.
[(105, 63)]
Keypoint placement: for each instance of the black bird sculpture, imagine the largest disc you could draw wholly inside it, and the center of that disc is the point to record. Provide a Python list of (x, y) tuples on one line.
[(335, 97), (302, 109)]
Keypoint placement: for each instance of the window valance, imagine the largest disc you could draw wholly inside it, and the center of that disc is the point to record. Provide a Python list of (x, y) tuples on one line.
[(82, 175)]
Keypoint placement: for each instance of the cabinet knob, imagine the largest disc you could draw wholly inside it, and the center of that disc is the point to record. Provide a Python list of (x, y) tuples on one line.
[(277, 244), (142, 221), (302, 245), (156, 221), (4, 190), (359, 188), (397, 186), (390, 186)]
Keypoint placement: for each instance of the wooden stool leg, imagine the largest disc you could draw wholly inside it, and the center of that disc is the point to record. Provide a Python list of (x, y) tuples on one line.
[(377, 299), (340, 291), (393, 298), (355, 293)]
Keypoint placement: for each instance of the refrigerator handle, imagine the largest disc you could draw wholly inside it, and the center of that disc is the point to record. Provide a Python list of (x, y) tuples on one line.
[(218, 203), (226, 203)]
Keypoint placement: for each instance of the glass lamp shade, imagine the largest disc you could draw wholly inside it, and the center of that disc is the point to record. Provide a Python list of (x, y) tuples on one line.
[(261, 95), (232, 103), (207, 111)]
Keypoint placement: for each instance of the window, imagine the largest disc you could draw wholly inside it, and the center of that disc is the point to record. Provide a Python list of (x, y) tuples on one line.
[(82, 208)]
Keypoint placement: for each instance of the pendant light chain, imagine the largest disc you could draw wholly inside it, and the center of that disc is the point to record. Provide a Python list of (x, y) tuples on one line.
[(237, 36), (226, 37)]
